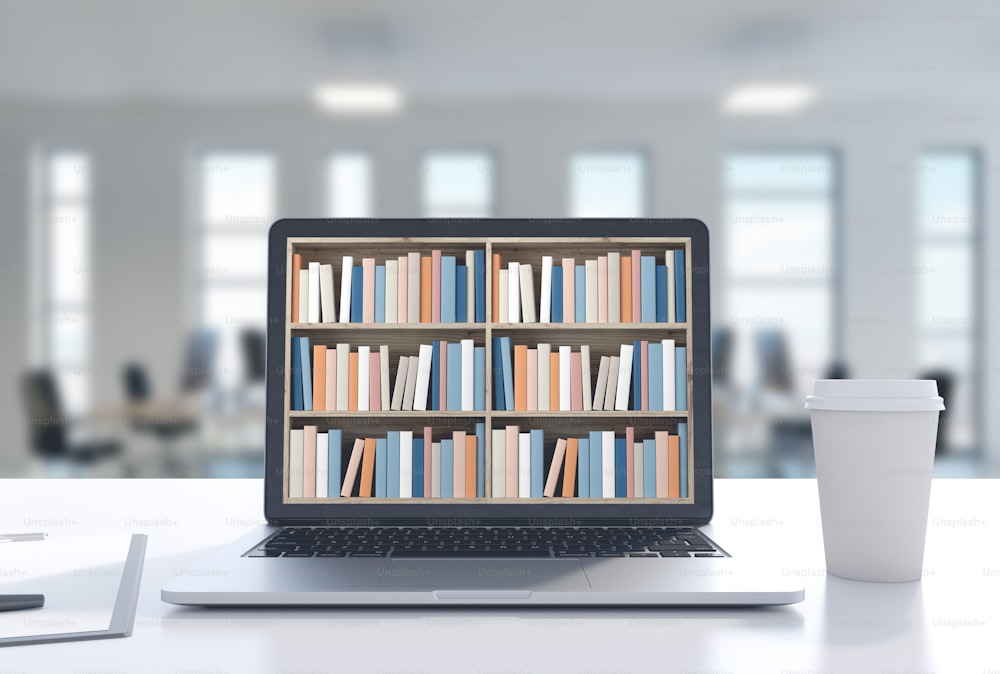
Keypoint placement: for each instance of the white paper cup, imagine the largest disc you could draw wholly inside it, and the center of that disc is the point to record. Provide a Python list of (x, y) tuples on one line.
[(874, 444)]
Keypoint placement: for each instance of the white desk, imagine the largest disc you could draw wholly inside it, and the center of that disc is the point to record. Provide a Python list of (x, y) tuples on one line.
[(946, 623)]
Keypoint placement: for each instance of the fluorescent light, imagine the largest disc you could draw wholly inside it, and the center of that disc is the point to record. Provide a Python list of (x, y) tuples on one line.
[(359, 98), (769, 98)]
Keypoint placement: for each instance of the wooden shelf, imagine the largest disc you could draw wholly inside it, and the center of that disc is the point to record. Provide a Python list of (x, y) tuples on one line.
[(388, 414)]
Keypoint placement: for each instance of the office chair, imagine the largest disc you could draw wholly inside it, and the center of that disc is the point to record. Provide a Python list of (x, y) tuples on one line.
[(163, 426), (946, 385), (253, 344)]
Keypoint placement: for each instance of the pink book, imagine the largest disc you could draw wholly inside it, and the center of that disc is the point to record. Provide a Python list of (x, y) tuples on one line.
[(352, 467), (629, 462), (443, 399), (575, 382), (331, 380), (427, 461), (510, 479), (402, 288), (368, 284), (532, 379), (309, 462), (602, 289), (661, 464), (436, 287), (375, 381), (459, 463), (557, 462), (644, 372), (569, 290), (636, 287)]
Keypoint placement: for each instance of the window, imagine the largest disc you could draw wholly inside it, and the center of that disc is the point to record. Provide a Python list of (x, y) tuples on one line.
[(607, 184), (349, 185), (238, 203), (458, 184), (947, 231), (779, 297), (62, 277)]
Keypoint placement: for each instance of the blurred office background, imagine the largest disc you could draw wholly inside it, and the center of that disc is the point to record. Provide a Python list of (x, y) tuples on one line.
[(843, 154)]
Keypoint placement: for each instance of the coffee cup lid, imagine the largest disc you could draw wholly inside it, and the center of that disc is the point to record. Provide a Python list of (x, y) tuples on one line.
[(875, 395)]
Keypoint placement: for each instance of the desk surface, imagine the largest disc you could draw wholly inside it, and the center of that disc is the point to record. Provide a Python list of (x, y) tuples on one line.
[(942, 624)]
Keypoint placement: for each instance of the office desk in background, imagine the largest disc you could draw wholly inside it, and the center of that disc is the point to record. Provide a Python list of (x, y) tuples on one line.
[(945, 623)]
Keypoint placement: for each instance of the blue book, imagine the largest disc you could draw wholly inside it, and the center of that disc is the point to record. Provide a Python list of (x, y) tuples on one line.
[(596, 464), (447, 468), (297, 402), (435, 391), (357, 294), (647, 280), (461, 294), (682, 431), (454, 376), (637, 375), (656, 376), (334, 481), (499, 400), (380, 293), (418, 466), (480, 459), (480, 286), (392, 466), (680, 378), (381, 470), (448, 272), (479, 378), (557, 294), (621, 469), (580, 290), (583, 468), (661, 293), (508, 373), (680, 286), (537, 461), (307, 379), (648, 468)]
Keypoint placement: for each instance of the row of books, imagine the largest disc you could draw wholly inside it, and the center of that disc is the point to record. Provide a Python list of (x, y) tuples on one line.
[(613, 288), (644, 376), (405, 464), (444, 376), (411, 288)]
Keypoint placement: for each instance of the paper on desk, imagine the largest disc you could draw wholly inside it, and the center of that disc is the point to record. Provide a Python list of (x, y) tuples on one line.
[(79, 576)]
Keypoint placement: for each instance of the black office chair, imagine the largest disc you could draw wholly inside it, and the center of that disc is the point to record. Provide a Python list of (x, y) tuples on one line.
[(253, 344), (946, 385), (163, 427)]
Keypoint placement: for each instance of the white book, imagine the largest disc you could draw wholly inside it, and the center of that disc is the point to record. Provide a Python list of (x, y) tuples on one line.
[(364, 376), (322, 465), (383, 362), (546, 300), (436, 470), (470, 286), (314, 292), (544, 383), (303, 296), (468, 385), (671, 299), (639, 475), (411, 383), (391, 291), (614, 287), (327, 312), (296, 457), (612, 386), (608, 463), (343, 375), (669, 402), (528, 308), (585, 378), (514, 292), (406, 464), (591, 277), (601, 388), (624, 378), (524, 465), (345, 289), (399, 388), (504, 292), (412, 288), (569, 291), (423, 378), (498, 486), (565, 379)]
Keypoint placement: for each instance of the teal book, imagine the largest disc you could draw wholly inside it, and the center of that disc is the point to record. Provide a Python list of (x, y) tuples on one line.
[(656, 376), (434, 404), (479, 378), (537, 462), (447, 468), (449, 271), (357, 294), (480, 286), (557, 294), (682, 431), (499, 399), (621, 469), (661, 293), (580, 290), (335, 440), (461, 294), (392, 466), (649, 468), (480, 459), (596, 464), (307, 379), (380, 293), (647, 281), (680, 378), (583, 468), (680, 286), (418, 467), (297, 400), (508, 373), (381, 469), (454, 376)]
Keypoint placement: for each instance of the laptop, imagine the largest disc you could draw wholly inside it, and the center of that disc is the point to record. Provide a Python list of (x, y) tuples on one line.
[(554, 502)]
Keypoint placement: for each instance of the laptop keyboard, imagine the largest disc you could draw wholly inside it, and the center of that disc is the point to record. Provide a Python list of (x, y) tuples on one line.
[(452, 542)]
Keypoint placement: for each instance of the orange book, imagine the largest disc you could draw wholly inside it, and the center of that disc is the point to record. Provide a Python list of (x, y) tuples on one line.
[(626, 288), (662, 464), (470, 466), (368, 468), (425, 289), (674, 466), (435, 286), (319, 377), (636, 287), (296, 268), (511, 475), (497, 261), (569, 472), (459, 440), (352, 382), (554, 380), (520, 377), (374, 381), (309, 462)]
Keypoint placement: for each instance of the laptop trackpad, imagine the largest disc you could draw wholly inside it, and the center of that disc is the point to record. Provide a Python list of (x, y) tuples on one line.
[(554, 575)]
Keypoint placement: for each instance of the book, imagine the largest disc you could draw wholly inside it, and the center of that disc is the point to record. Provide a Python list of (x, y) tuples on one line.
[(435, 286), (298, 402), (545, 313), (636, 391), (296, 268), (643, 375), (636, 265), (514, 292), (614, 287), (621, 469), (557, 295), (498, 461), (602, 289), (470, 286), (626, 289), (624, 377), (591, 285), (378, 392), (532, 383), (673, 467), (346, 276), (504, 296), (537, 459), (524, 465), (304, 295), (586, 381), (480, 458), (330, 383), (544, 395), (402, 289), (558, 458), (529, 311), (367, 487), (512, 454), (661, 294), (406, 464), (316, 464), (426, 289), (449, 285), (662, 464), (508, 373), (296, 459), (582, 466), (554, 381), (411, 382), (364, 378), (569, 289), (391, 313), (368, 296), (461, 294), (399, 388), (443, 392), (357, 294), (307, 380), (414, 288), (381, 467), (629, 462), (481, 286), (327, 313), (648, 284), (655, 371), (669, 362), (314, 299), (680, 377), (343, 375), (612, 388), (466, 391), (459, 472), (671, 292), (334, 440), (520, 377), (392, 471), (608, 464), (680, 286), (351, 478), (380, 288), (495, 286), (580, 284), (470, 466), (682, 442), (436, 458), (565, 379), (352, 381), (649, 468), (499, 399), (601, 387), (423, 377), (478, 378), (575, 382), (597, 464), (639, 474), (455, 376), (434, 389), (569, 460), (418, 468), (319, 377)]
